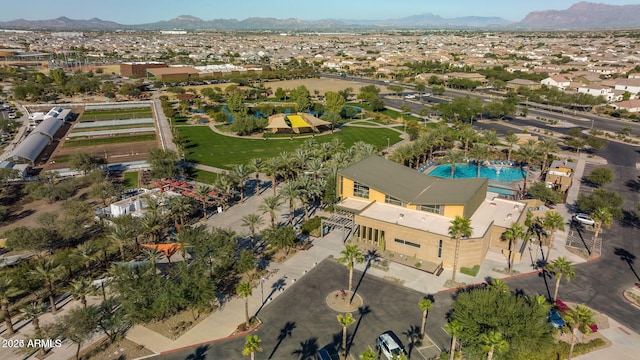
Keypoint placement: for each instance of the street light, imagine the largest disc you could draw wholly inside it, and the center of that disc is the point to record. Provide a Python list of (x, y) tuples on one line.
[(262, 288), (388, 144)]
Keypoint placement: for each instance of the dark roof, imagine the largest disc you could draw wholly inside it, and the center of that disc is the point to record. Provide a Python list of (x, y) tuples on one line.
[(411, 186)]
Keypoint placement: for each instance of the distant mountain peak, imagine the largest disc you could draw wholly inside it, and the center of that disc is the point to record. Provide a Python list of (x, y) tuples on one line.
[(583, 16), (188, 18)]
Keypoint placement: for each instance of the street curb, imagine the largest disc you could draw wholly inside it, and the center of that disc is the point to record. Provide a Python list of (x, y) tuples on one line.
[(212, 341), (484, 282)]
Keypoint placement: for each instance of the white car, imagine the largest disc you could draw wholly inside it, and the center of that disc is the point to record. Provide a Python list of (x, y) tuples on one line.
[(410, 96), (584, 219), (389, 345), (12, 115)]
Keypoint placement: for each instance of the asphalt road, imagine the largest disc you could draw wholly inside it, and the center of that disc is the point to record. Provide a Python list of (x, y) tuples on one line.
[(299, 322)]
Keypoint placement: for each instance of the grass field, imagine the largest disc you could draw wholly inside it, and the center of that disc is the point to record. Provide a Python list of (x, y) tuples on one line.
[(208, 148), (130, 180), (109, 140), (100, 115), (204, 176)]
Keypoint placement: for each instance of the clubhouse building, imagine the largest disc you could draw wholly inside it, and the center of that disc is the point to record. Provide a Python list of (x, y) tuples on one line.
[(408, 213)]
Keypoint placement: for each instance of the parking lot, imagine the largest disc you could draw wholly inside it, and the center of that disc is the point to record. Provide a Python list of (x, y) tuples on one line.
[(298, 323)]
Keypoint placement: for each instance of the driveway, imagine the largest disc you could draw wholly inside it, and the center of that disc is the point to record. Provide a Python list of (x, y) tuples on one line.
[(299, 322)]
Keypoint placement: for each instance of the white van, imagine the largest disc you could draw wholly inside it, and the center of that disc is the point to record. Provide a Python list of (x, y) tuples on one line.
[(389, 345)]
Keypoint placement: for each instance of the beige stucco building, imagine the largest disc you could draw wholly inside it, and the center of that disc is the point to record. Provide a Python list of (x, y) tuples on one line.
[(409, 213)]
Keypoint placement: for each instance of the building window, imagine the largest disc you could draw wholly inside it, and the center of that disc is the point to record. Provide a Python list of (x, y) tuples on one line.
[(436, 209), (360, 190), (405, 242), (440, 249), (393, 201)]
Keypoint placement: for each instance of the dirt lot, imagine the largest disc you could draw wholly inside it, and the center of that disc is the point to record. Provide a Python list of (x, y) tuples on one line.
[(114, 153)]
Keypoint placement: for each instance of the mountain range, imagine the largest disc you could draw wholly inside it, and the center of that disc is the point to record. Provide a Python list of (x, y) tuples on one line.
[(580, 16)]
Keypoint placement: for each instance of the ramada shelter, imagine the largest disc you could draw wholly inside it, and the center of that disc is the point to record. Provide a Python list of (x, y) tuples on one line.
[(409, 213), (296, 123)]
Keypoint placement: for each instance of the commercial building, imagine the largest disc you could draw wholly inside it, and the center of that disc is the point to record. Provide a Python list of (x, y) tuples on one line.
[(408, 213), (139, 69), (172, 73)]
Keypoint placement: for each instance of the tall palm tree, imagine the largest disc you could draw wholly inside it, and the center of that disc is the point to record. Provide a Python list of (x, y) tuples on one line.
[(467, 135), (80, 288), (7, 292), (32, 312), (490, 137), (345, 321), (512, 235), (290, 192), (527, 154), (244, 290), (271, 168), (351, 255), (425, 305), (241, 173), (580, 319), (251, 345), (454, 329), (271, 204), (547, 146), (480, 152), (49, 272), (308, 191), (460, 227), (552, 221), (560, 268), (202, 192), (153, 255), (603, 217), (493, 341), (511, 139), (453, 157), (315, 167), (257, 165), (252, 221), (151, 225)]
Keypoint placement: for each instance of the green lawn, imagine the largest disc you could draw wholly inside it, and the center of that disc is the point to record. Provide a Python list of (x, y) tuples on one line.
[(130, 180), (208, 148), (204, 176), (109, 140), (100, 115)]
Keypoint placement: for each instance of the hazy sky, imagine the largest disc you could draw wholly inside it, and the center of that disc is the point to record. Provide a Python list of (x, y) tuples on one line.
[(146, 11)]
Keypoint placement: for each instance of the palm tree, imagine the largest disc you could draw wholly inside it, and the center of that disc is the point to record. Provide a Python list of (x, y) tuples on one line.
[(369, 354), (31, 312), (151, 225), (80, 288), (181, 206), (251, 345), (480, 152), (552, 221), (580, 319), (511, 139), (547, 146), (48, 272), (527, 154), (121, 236), (257, 165), (499, 285), (490, 137), (245, 290), (202, 192), (602, 217), (308, 190), (425, 305), (270, 205), (290, 193), (467, 134), (225, 185), (454, 329), (252, 221), (493, 341), (512, 235), (241, 174), (271, 168), (314, 167), (453, 157), (460, 227), (87, 252), (153, 255), (7, 291), (561, 267), (350, 256), (345, 321)]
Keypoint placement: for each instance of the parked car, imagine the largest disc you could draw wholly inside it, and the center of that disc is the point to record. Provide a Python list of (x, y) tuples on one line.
[(389, 345), (584, 219), (410, 96), (12, 115), (327, 353)]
